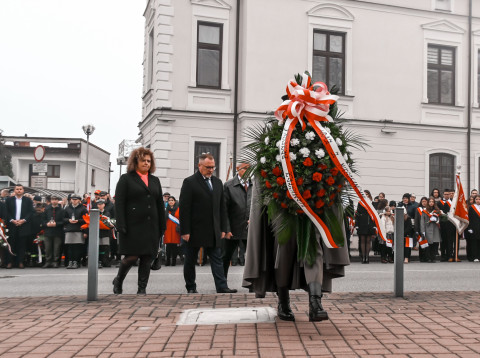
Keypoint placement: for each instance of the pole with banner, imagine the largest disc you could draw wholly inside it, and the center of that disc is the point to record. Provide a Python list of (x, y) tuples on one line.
[(458, 214)]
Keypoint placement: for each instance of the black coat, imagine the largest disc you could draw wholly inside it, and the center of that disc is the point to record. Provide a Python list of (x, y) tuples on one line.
[(202, 211), (3, 211), (237, 201), (140, 214), (26, 214), (474, 224), (363, 222), (78, 213), (56, 231)]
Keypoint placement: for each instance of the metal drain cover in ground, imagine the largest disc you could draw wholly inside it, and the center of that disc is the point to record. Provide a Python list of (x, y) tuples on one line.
[(228, 315)]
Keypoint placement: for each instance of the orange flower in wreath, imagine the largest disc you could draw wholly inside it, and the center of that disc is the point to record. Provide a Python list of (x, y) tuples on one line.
[(334, 171), (268, 185), (300, 181), (280, 181), (321, 193), (306, 194), (283, 205), (330, 181), (263, 173), (322, 166), (308, 162), (277, 171), (317, 176), (319, 203), (275, 195)]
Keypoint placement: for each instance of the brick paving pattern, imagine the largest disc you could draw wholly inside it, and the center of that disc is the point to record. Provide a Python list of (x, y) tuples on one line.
[(423, 324)]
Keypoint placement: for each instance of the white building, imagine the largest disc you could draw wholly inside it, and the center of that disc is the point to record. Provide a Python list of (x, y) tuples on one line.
[(405, 68), (64, 161)]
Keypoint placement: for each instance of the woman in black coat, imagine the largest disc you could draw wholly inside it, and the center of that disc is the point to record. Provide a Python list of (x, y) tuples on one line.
[(140, 214), (366, 229)]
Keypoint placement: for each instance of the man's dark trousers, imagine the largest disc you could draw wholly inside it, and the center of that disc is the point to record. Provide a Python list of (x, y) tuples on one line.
[(216, 265)]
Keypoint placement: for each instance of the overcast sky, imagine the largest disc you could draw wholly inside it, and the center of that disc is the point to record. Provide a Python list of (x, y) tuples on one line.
[(66, 63)]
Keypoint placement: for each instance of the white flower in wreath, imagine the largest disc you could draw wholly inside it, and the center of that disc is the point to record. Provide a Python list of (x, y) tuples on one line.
[(328, 130), (345, 156), (278, 144), (293, 156), (339, 141), (320, 153), (267, 140), (294, 142), (281, 123), (278, 158), (310, 135), (263, 160), (305, 152)]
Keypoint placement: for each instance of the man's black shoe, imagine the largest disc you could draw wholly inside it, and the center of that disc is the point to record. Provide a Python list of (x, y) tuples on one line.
[(227, 290), (192, 291)]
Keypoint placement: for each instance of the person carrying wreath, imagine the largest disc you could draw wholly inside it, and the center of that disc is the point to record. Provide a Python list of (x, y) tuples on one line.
[(140, 217)]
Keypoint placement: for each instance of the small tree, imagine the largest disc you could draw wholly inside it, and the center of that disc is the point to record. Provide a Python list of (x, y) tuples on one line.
[(5, 158)]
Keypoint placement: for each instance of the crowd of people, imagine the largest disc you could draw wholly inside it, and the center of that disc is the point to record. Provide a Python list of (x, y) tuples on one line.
[(426, 228)]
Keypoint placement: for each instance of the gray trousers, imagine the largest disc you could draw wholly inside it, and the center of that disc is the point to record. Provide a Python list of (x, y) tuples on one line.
[(53, 246)]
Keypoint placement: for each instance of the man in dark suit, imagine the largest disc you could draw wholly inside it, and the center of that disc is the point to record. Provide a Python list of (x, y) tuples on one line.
[(19, 213), (238, 196), (203, 222)]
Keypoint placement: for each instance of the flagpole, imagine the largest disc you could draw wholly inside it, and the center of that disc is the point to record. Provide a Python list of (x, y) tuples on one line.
[(456, 246)]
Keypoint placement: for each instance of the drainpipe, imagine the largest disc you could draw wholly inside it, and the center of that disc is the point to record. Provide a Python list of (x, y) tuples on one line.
[(235, 100), (469, 83)]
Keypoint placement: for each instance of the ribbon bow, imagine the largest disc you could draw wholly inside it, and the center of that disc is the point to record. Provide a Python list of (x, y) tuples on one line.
[(306, 100)]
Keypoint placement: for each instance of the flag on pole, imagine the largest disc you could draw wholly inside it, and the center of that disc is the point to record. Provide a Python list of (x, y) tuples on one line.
[(458, 214), (422, 241), (408, 241)]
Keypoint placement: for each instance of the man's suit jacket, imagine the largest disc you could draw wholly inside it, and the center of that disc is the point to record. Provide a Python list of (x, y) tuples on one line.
[(26, 213), (237, 202), (202, 211)]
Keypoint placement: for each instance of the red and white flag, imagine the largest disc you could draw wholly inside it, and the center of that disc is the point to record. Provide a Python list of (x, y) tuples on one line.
[(408, 241), (458, 214), (422, 241)]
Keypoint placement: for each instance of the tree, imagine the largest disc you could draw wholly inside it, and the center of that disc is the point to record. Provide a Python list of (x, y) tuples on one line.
[(5, 158)]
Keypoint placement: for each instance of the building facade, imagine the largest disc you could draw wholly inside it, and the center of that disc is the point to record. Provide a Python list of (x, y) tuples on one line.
[(63, 165), (408, 74)]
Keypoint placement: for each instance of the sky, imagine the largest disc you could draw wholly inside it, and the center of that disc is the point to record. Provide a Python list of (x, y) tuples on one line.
[(66, 63)]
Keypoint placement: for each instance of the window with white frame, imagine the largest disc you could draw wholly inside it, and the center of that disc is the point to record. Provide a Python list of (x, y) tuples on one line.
[(441, 74), (329, 59), (209, 54), (441, 170)]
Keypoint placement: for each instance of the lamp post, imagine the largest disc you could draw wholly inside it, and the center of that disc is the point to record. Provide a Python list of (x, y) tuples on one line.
[(88, 129)]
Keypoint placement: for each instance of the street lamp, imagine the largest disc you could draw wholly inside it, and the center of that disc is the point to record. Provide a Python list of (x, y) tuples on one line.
[(88, 129)]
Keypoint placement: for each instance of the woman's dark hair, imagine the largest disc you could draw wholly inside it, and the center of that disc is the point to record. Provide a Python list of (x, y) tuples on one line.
[(172, 197), (424, 197), (138, 154), (431, 194)]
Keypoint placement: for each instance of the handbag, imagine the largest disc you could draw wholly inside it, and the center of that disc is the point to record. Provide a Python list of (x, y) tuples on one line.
[(156, 264)]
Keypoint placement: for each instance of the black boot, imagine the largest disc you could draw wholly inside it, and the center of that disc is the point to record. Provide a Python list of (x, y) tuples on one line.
[(315, 309), (284, 311), (118, 280), (143, 275)]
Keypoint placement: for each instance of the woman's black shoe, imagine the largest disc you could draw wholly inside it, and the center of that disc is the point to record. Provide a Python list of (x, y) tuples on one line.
[(284, 311), (117, 286)]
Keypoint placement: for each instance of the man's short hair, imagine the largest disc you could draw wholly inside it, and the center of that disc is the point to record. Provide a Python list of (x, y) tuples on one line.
[(204, 156), (17, 185)]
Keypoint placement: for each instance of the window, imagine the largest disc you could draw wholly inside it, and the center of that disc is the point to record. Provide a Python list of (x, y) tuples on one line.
[(442, 171), (53, 171), (92, 182), (445, 5), (441, 74), (209, 54), (329, 59), (150, 59), (207, 147)]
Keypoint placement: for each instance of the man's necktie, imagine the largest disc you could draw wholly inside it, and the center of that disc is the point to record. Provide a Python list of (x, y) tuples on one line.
[(245, 185), (209, 183)]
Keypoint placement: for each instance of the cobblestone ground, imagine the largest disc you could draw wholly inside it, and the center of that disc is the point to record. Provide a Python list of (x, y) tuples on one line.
[(423, 324)]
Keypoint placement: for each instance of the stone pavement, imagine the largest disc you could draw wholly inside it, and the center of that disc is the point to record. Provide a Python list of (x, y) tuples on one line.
[(423, 324)]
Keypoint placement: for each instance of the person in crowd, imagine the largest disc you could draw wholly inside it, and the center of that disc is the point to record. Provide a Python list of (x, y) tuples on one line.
[(474, 192), (472, 233), (238, 197), (19, 214), (203, 222), (407, 227), (387, 222), (171, 238), (140, 217), (74, 239), (3, 217), (36, 227), (366, 230), (422, 252), (447, 229), (382, 202), (4, 194), (96, 197), (412, 206), (166, 195), (53, 219), (104, 237), (430, 228), (109, 207), (436, 194)]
